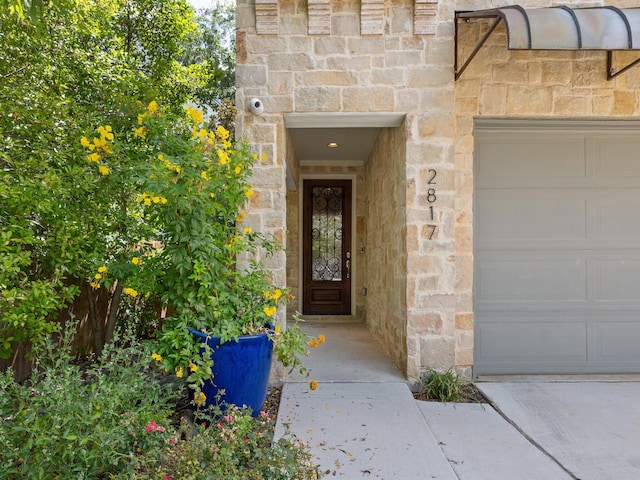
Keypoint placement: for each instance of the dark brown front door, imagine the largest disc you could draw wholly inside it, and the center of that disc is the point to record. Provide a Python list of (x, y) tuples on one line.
[(327, 262)]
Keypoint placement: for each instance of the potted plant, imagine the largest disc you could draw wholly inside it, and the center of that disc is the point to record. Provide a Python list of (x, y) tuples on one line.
[(204, 264)]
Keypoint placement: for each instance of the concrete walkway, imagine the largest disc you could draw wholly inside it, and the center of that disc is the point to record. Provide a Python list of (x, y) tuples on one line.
[(362, 421)]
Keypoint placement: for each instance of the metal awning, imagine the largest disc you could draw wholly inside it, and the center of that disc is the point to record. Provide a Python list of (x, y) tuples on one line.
[(559, 28)]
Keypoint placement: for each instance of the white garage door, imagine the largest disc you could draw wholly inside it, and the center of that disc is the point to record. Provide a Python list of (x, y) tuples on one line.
[(557, 247)]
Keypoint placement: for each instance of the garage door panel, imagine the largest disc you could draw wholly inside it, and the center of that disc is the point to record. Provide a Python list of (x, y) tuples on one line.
[(617, 341), (617, 280), (530, 214), (531, 342), (535, 280), (618, 156), (531, 157), (617, 214)]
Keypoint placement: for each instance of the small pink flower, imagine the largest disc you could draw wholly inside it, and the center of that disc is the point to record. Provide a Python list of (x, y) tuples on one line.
[(167, 477), (153, 427)]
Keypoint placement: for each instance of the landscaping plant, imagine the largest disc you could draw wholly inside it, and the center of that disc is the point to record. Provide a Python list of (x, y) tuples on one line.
[(100, 419), (445, 386)]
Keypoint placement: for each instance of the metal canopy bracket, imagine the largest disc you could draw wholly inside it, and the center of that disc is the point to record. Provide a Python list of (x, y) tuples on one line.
[(608, 29)]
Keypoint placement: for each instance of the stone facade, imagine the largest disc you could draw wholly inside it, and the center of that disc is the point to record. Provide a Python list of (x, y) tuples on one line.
[(415, 193)]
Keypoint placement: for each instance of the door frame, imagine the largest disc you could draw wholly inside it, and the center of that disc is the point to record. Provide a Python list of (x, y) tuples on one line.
[(354, 257)]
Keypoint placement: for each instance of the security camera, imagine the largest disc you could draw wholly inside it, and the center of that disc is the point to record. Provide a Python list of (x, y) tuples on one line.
[(256, 106)]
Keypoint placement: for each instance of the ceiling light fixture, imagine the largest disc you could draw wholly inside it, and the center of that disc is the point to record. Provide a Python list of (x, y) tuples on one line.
[(333, 145)]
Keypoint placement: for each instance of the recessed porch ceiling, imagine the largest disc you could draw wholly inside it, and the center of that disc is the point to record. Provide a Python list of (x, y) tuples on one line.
[(355, 134)]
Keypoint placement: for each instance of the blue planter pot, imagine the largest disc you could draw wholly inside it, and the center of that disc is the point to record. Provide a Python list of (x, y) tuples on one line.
[(240, 368)]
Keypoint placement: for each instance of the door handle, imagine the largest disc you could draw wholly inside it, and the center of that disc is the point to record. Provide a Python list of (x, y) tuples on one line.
[(348, 265)]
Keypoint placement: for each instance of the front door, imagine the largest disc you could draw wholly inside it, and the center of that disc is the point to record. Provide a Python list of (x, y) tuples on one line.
[(327, 262)]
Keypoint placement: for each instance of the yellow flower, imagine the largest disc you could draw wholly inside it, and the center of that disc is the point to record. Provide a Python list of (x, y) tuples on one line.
[(130, 291), (237, 170), (160, 157), (102, 269), (93, 157), (321, 338), (105, 133), (147, 201), (103, 170), (222, 132), (84, 141), (204, 175), (247, 230), (153, 107), (95, 285), (179, 372), (241, 217), (223, 157), (276, 294), (193, 367), (313, 385), (141, 117), (278, 329), (135, 260), (313, 343), (196, 115), (156, 199), (97, 276), (157, 357), (270, 311), (248, 192), (199, 398), (140, 132)]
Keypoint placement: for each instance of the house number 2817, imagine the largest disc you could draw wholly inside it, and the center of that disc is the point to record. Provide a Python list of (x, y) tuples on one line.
[(431, 200)]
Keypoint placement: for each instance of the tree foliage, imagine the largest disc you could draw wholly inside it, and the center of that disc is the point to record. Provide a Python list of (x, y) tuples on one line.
[(77, 65), (214, 44)]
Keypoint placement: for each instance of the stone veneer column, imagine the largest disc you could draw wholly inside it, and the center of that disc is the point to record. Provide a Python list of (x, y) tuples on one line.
[(371, 61)]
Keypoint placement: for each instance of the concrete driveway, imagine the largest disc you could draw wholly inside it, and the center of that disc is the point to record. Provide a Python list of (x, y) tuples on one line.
[(590, 428)]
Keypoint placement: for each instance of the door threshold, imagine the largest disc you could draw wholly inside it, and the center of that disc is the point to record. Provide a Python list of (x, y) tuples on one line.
[(331, 318)]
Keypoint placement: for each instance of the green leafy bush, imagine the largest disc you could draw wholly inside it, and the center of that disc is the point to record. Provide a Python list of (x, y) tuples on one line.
[(72, 421), (117, 418)]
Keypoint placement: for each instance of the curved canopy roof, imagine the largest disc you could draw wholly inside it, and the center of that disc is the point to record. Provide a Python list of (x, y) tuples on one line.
[(562, 28)]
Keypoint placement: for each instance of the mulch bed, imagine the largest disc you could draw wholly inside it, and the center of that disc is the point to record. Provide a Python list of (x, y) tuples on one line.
[(272, 402)]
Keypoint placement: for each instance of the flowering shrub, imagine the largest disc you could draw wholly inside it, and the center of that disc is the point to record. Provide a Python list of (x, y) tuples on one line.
[(235, 446), (198, 257), (116, 419), (73, 421)]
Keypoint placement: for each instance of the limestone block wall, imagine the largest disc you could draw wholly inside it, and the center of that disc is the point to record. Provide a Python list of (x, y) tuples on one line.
[(397, 56), (387, 242), (390, 60)]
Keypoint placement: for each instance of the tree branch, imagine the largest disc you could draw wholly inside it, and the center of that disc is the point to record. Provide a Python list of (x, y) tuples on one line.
[(15, 72)]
